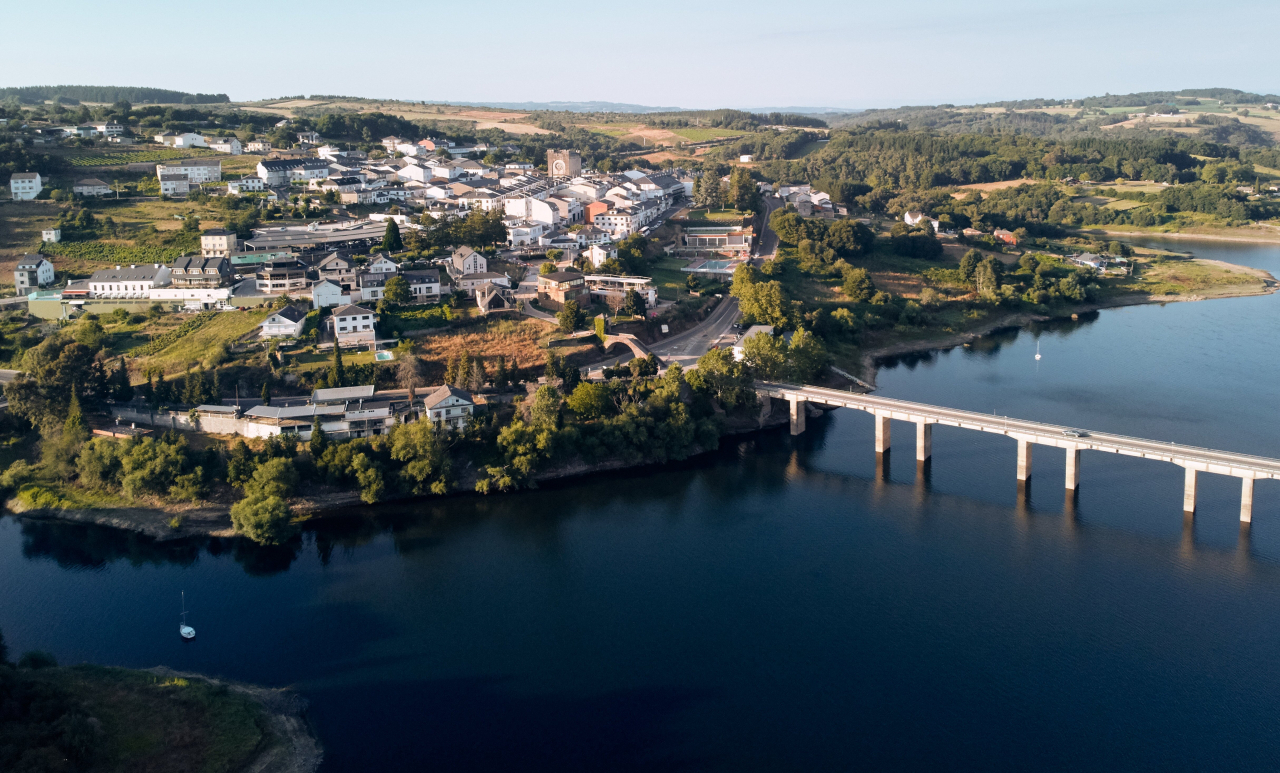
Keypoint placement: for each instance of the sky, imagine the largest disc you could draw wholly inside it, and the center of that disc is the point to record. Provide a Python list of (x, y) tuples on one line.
[(748, 53)]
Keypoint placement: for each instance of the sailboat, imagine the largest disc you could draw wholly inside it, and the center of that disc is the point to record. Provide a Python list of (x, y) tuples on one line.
[(184, 630), (1037, 350)]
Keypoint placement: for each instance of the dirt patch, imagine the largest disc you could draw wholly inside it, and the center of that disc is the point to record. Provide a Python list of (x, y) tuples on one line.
[(898, 284), (21, 223), (982, 187)]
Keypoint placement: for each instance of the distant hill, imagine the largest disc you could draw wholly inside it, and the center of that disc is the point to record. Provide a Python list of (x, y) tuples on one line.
[(575, 107), (135, 94)]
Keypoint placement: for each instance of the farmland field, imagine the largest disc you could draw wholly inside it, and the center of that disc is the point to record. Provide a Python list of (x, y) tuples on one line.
[(139, 156), (700, 134)]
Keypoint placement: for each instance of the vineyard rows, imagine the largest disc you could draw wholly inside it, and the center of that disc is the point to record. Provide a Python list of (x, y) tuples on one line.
[(165, 340), (111, 253), (137, 157)]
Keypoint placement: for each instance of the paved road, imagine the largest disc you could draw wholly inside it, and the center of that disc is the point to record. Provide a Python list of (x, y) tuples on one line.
[(767, 244)]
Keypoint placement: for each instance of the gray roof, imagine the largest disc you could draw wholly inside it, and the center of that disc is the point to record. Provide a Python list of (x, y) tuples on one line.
[(443, 392), (418, 277), (291, 313), (350, 310), (92, 181), (30, 261), (25, 176), (143, 273), (342, 394)]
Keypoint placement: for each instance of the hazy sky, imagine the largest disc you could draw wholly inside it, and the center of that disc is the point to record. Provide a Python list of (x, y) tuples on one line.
[(748, 53)]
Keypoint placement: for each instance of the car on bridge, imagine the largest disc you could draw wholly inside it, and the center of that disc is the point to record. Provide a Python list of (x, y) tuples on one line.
[(1074, 433)]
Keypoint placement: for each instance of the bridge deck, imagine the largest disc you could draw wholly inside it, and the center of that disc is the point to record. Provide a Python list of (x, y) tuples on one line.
[(1040, 433)]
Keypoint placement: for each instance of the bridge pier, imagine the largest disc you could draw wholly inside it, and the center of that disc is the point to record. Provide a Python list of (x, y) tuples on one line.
[(1024, 460), (882, 433), (924, 440), (1073, 469), (798, 408), (1189, 492), (1246, 500)]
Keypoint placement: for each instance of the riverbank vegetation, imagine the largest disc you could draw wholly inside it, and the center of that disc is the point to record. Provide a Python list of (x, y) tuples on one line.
[(857, 290), (84, 717)]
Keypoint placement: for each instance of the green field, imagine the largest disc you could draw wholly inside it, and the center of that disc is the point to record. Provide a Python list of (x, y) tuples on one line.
[(138, 156), (669, 279), (708, 215), (699, 134)]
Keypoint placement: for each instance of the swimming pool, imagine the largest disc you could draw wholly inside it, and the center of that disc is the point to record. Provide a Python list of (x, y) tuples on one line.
[(383, 356)]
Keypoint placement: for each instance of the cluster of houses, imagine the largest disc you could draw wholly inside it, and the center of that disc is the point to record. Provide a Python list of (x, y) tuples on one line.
[(567, 209), (344, 413), (1000, 234)]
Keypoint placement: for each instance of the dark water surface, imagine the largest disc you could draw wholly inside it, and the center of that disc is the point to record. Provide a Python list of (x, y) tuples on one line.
[(782, 605)]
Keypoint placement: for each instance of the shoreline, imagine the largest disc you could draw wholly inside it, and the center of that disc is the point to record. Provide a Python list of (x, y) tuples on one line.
[(869, 368), (216, 521), (299, 750), (1180, 235)]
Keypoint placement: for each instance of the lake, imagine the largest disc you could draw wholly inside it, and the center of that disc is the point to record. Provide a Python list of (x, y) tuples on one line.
[(783, 604)]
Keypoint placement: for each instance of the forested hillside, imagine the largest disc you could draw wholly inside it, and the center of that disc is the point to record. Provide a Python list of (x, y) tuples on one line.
[(77, 94)]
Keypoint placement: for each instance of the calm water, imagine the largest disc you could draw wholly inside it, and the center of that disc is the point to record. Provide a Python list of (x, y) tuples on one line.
[(782, 605)]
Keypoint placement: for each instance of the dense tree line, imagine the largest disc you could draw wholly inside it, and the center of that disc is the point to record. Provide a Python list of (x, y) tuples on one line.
[(34, 94)]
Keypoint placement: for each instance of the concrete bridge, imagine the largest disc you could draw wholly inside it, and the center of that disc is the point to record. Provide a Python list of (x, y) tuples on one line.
[(1028, 433)]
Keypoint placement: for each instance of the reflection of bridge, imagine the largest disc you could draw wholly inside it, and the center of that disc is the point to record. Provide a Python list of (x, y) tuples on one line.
[(1027, 433)]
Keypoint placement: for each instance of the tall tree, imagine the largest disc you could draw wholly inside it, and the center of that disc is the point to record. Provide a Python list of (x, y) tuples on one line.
[(337, 375), (391, 239)]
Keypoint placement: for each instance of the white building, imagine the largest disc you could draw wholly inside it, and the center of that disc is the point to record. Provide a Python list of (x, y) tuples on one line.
[(521, 233), (25, 186), (246, 185), (196, 170), (326, 293), (449, 406), (51, 235), (31, 272), (599, 253), (90, 187), (128, 282), (424, 284), (285, 323), (174, 185), (613, 289), (353, 325), (225, 145), (183, 140), (285, 170), (258, 146), (382, 265), (111, 129), (467, 261), (193, 297), (533, 210), (218, 243)]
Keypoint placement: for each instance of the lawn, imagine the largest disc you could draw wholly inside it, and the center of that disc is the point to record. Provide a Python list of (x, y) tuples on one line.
[(715, 214), (309, 361), (669, 279)]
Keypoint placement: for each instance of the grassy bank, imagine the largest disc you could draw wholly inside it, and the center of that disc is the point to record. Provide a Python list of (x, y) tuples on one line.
[(115, 719)]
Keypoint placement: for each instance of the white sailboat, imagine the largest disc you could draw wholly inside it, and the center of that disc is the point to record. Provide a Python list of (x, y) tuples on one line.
[(1037, 350), (184, 630)]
